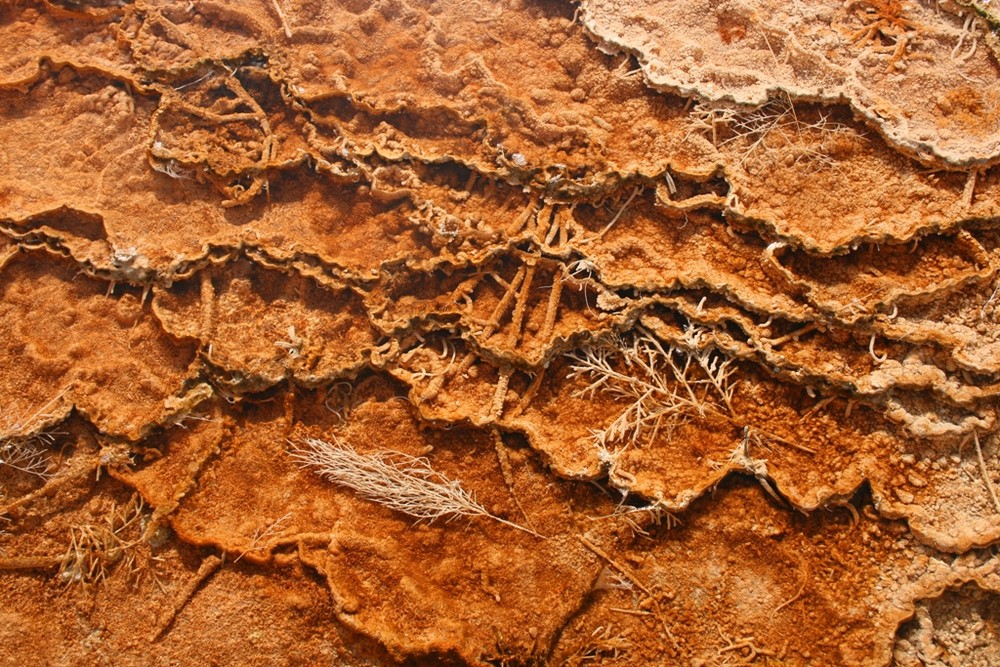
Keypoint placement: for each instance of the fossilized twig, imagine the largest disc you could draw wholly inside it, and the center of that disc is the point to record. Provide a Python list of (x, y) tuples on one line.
[(209, 566)]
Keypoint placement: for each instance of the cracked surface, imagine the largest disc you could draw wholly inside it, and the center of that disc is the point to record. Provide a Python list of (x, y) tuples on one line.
[(703, 301)]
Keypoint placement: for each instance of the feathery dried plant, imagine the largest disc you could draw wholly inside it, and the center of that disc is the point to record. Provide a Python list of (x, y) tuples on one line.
[(22, 438), (401, 482), (663, 386), (95, 548)]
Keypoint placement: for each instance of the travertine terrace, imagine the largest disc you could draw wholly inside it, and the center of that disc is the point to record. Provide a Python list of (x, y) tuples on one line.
[(687, 314)]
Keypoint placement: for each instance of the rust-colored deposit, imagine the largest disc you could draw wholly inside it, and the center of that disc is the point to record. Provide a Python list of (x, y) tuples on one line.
[(532, 332)]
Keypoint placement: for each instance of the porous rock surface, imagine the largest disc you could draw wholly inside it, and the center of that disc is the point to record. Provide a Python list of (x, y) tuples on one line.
[(702, 296)]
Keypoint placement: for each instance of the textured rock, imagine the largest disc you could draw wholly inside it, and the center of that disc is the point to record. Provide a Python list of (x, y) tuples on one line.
[(697, 301)]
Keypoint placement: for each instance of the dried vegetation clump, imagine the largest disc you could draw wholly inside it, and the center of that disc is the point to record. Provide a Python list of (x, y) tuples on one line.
[(619, 332)]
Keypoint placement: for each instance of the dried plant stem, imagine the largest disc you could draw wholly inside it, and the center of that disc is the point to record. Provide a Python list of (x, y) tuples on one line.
[(631, 577), (281, 17), (986, 473), (395, 480)]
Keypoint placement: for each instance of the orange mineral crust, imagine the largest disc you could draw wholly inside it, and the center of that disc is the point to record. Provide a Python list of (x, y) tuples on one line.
[(515, 332)]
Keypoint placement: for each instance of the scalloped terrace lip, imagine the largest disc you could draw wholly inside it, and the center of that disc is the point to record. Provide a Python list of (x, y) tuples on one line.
[(923, 75), (628, 333)]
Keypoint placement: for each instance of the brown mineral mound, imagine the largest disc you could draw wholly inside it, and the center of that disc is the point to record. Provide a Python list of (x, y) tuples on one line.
[(530, 332)]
